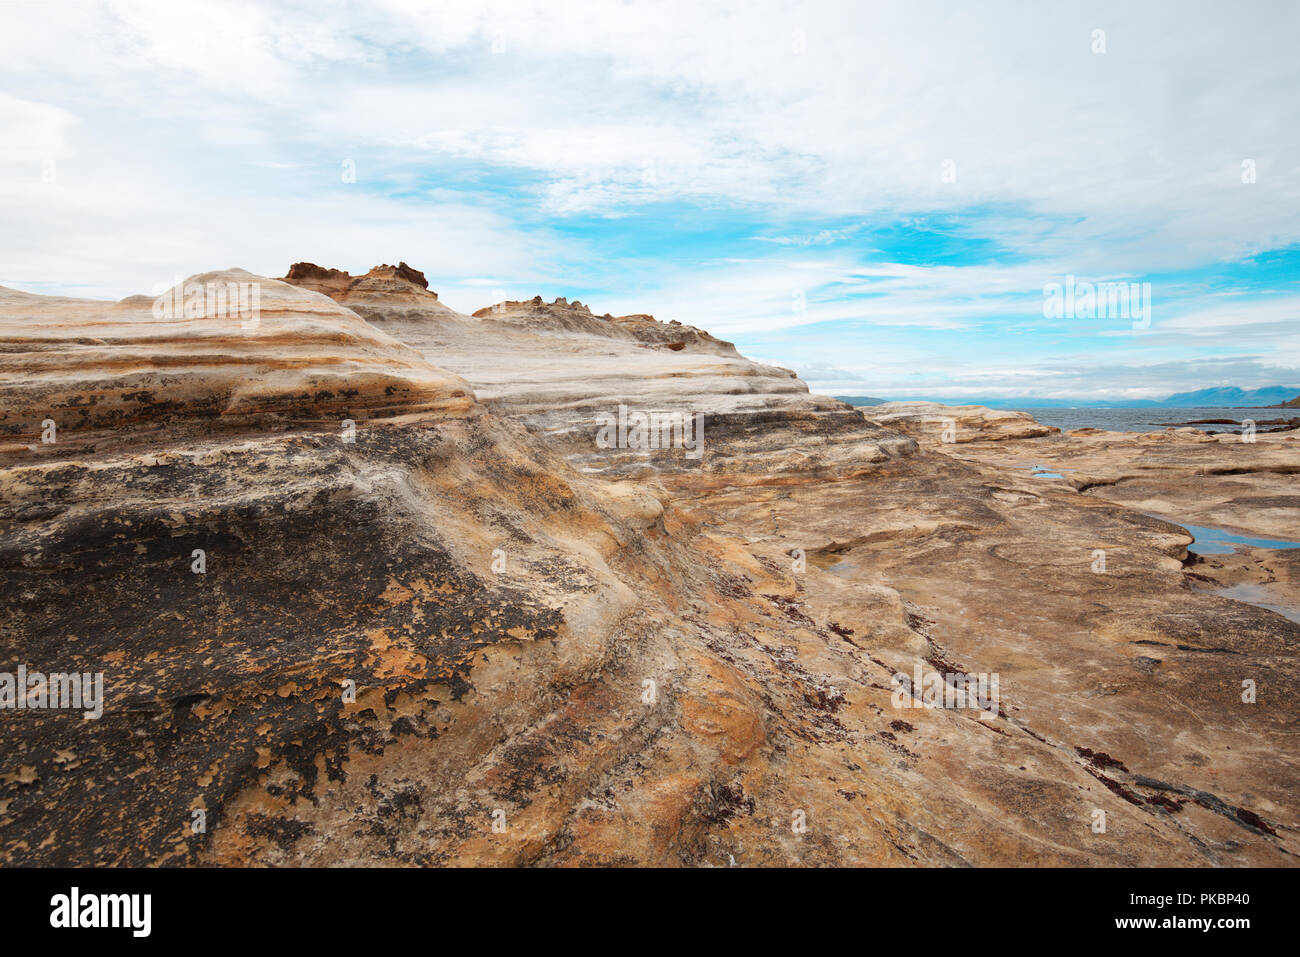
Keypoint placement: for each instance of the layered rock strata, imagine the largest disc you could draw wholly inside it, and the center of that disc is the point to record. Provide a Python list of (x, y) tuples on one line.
[(222, 351), (464, 630)]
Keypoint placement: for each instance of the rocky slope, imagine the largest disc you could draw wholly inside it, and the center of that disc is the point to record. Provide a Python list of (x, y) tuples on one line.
[(438, 620)]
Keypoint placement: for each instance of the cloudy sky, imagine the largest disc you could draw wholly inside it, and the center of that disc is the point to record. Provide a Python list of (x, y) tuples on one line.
[(876, 195)]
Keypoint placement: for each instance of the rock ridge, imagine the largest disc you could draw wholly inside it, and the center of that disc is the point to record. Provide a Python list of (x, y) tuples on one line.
[(369, 584)]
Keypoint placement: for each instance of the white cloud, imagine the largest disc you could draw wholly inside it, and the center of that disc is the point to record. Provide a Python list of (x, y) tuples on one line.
[(207, 134), (32, 132), (1140, 145)]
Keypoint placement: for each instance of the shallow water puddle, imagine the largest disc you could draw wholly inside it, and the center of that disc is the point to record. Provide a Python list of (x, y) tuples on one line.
[(1215, 541), (1042, 471), (1258, 596)]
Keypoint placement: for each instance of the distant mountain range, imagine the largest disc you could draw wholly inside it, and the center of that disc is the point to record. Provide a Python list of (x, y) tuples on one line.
[(1216, 397), (1230, 396)]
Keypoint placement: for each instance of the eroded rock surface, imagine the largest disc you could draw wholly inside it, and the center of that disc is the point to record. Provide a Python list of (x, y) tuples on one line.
[(466, 631), (962, 423), (1214, 481), (200, 358)]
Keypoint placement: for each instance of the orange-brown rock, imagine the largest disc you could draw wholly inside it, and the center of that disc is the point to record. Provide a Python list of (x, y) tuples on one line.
[(468, 632)]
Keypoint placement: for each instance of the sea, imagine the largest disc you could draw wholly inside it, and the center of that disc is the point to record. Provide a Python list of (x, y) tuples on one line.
[(1155, 420)]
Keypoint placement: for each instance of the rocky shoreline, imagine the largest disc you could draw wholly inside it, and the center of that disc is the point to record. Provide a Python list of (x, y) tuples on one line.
[(440, 620)]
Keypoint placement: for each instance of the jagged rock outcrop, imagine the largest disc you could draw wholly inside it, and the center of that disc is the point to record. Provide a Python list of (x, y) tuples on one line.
[(465, 631), (336, 283), (396, 290)]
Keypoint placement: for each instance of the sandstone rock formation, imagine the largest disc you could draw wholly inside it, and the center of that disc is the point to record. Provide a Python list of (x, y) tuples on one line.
[(966, 423), (464, 630), (398, 290), (556, 367), (201, 357)]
